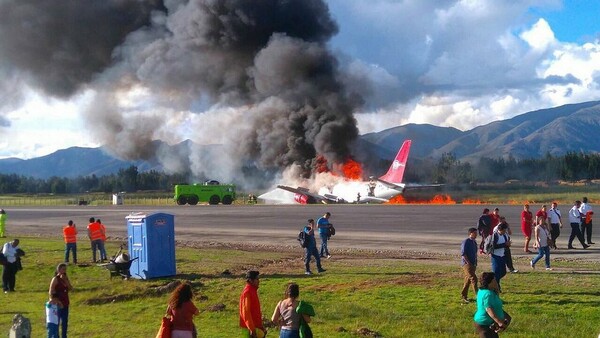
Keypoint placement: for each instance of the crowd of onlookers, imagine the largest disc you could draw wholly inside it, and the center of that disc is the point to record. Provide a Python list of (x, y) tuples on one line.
[(541, 231)]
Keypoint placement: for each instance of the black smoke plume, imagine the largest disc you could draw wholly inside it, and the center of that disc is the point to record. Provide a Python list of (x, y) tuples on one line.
[(268, 59)]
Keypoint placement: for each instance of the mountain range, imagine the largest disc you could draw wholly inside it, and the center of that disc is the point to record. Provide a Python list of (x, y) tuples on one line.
[(568, 128)]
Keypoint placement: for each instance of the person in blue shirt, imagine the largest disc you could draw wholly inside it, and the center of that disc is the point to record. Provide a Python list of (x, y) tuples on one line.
[(468, 251), (490, 317), (323, 225), (311, 247)]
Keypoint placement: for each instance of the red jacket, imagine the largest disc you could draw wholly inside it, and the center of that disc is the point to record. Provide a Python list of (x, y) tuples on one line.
[(250, 315)]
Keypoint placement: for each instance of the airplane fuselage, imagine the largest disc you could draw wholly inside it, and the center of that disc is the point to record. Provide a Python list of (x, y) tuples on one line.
[(361, 191)]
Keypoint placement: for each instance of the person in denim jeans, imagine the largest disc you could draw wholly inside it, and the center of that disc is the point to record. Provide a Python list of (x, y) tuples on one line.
[(311, 248), (70, 236), (323, 225), (542, 235)]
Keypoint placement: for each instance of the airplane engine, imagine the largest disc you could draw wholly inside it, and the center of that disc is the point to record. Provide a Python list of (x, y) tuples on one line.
[(304, 199)]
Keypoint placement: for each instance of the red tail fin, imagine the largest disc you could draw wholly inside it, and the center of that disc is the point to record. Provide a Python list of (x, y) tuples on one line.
[(396, 171)]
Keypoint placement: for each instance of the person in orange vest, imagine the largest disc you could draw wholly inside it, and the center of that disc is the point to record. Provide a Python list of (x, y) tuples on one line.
[(95, 236), (70, 235), (103, 244)]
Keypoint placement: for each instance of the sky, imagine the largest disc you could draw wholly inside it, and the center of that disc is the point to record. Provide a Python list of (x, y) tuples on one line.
[(448, 63)]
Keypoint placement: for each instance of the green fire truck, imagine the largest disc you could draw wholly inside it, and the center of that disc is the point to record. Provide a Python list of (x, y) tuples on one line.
[(211, 192)]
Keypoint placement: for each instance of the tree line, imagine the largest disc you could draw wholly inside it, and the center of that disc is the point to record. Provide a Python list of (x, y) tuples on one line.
[(572, 166), (447, 169)]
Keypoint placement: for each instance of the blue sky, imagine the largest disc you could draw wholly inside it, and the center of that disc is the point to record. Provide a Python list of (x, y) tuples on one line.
[(448, 63)]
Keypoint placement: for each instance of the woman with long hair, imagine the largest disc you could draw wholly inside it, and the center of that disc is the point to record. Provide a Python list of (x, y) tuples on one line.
[(490, 317), (285, 315), (60, 287), (182, 311)]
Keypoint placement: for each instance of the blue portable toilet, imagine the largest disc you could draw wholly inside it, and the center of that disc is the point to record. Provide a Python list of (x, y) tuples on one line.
[(151, 240)]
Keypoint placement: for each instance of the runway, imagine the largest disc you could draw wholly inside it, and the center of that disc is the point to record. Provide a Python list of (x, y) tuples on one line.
[(432, 228)]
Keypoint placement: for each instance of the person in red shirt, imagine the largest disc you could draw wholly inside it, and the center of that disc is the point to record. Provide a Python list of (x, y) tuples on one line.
[(495, 217), (526, 226), (250, 314), (182, 311), (541, 216)]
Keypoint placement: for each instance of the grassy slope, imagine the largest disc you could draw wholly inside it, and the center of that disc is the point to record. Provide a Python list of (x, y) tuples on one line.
[(396, 297)]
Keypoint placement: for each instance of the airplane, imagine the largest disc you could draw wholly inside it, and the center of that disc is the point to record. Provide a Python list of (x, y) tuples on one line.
[(376, 190)]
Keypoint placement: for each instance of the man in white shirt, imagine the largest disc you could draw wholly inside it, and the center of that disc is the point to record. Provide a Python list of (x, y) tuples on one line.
[(554, 216), (9, 271), (575, 220), (586, 220)]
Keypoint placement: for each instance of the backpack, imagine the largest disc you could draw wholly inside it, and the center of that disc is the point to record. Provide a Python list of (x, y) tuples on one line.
[(488, 244), (302, 239), (331, 231)]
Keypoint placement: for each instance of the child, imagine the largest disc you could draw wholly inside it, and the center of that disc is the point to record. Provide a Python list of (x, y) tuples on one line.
[(52, 306)]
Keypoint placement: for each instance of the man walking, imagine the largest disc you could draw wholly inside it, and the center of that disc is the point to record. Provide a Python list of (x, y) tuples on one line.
[(95, 236), (10, 250), (324, 225), (311, 248), (555, 223), (484, 226), (70, 236), (468, 251), (586, 220), (575, 220), (250, 314)]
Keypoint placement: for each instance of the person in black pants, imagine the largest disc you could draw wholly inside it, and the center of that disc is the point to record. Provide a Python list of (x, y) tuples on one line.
[(9, 272), (575, 220), (586, 220)]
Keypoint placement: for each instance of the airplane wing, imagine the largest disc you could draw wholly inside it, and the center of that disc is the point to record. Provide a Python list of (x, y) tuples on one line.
[(372, 199), (421, 186), (401, 187), (325, 199)]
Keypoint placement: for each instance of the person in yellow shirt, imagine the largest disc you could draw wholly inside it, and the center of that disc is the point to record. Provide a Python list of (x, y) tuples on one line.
[(2, 222)]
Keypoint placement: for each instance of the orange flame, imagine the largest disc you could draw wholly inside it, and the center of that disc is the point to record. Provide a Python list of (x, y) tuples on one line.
[(471, 201), (437, 199), (352, 169)]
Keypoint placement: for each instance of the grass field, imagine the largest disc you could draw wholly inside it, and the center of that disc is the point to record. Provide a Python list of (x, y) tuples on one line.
[(361, 294)]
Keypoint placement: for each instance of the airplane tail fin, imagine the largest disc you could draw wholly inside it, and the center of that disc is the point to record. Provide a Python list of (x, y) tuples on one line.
[(396, 171)]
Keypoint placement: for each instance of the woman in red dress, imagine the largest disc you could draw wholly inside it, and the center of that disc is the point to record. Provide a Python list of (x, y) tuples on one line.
[(526, 226)]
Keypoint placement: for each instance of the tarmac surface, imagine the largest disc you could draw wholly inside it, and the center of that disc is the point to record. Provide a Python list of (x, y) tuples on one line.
[(419, 228)]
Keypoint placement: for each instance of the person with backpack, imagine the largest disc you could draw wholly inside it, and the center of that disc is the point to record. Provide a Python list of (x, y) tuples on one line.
[(501, 241), (507, 252), (310, 248)]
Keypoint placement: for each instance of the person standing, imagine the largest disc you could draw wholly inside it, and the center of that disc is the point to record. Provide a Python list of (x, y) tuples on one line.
[(575, 220), (10, 250), (60, 286), (542, 236), (95, 236), (484, 226), (52, 307), (70, 236), (541, 216), (285, 315), (498, 260), (586, 220), (495, 218), (468, 251), (507, 252), (2, 223), (250, 314), (102, 247), (490, 317), (311, 248), (555, 223), (182, 311), (526, 226), (323, 225)]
